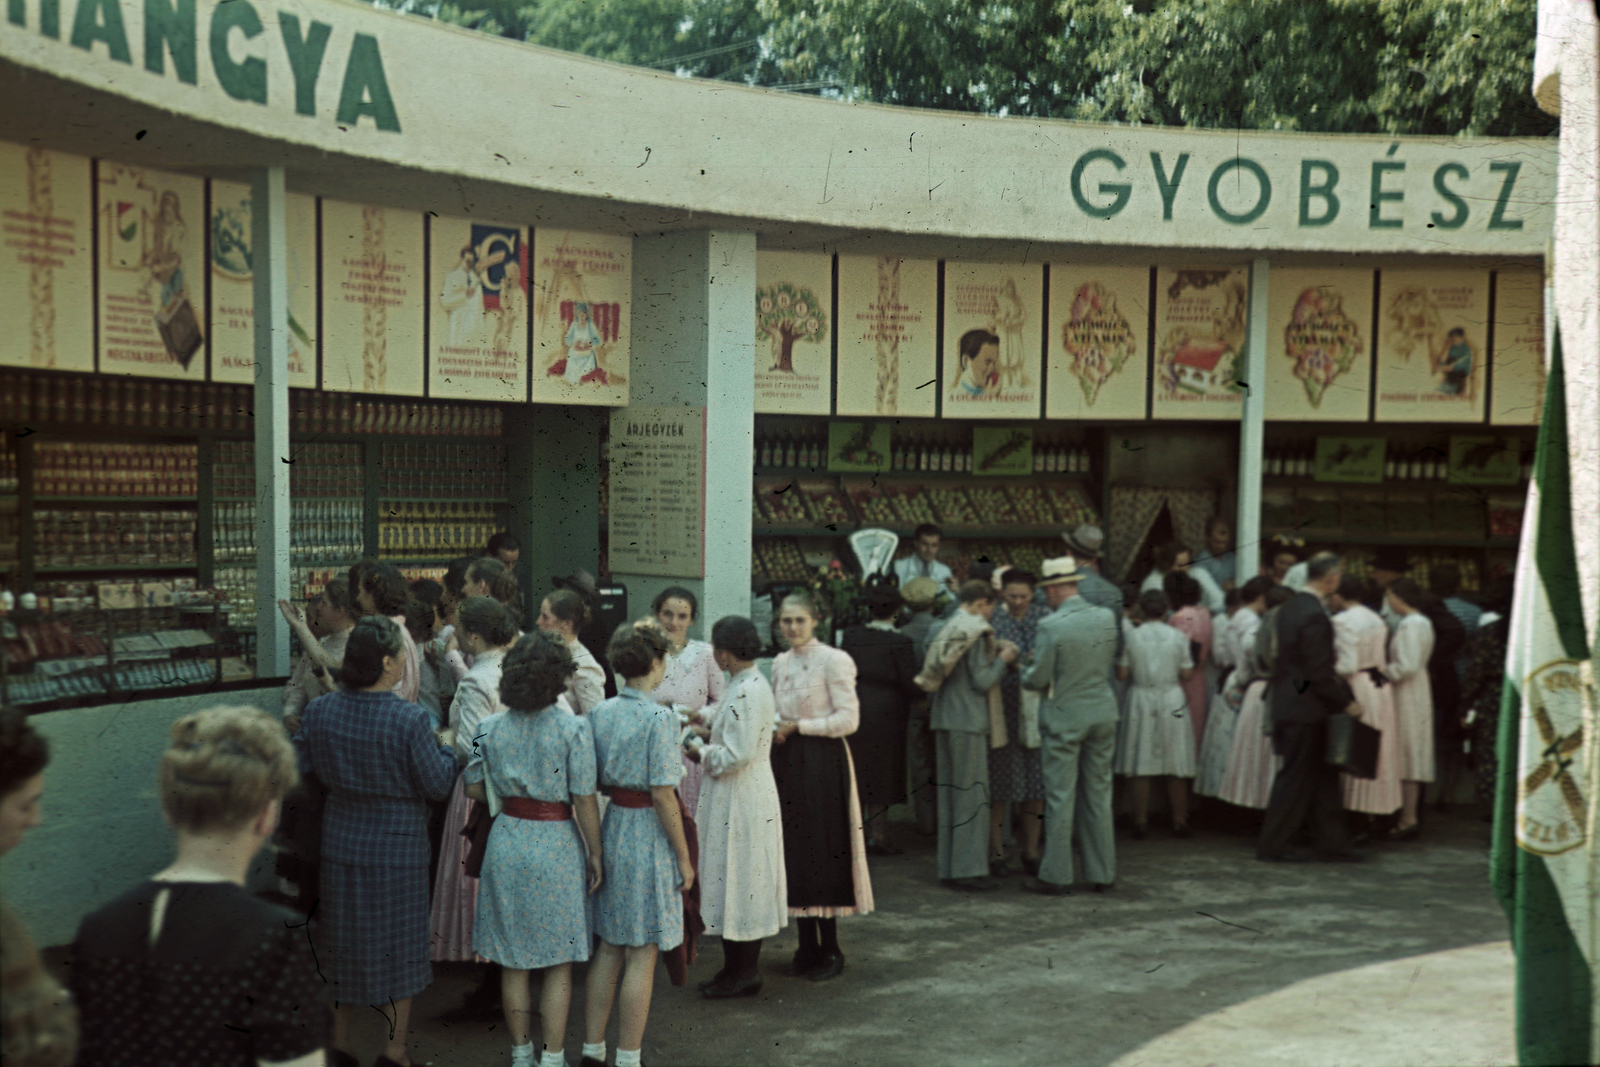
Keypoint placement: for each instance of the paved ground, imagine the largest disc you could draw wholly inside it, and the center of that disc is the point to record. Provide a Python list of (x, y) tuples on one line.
[(1201, 955)]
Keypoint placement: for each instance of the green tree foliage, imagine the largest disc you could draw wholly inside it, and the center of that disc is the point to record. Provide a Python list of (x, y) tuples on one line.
[(1348, 66)]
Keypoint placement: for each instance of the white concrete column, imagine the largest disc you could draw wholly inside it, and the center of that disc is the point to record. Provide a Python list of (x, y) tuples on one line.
[(694, 325), (1252, 430), (269, 269)]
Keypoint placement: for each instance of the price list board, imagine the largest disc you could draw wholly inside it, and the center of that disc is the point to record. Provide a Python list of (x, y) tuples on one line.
[(657, 487)]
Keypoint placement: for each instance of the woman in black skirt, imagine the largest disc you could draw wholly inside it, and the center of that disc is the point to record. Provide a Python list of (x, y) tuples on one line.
[(824, 846), (886, 669)]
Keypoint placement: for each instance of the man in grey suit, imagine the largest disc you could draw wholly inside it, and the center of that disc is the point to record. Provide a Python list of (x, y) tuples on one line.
[(1072, 661)]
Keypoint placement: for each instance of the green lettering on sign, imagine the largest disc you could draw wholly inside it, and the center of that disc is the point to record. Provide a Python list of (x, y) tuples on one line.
[(366, 90), (16, 12), (1168, 186), (1263, 191), (1497, 219), (1118, 191), (1323, 191), (49, 18), (242, 81), (1459, 218), (1380, 196), (305, 58), (87, 28), (170, 26)]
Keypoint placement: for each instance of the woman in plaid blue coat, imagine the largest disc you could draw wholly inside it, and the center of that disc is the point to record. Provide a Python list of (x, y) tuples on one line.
[(381, 763)]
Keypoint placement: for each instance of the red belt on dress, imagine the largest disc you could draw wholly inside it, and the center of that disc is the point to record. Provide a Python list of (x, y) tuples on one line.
[(630, 798), (537, 810)]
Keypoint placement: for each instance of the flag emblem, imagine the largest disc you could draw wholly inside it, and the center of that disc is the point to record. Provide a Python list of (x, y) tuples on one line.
[(1552, 813)]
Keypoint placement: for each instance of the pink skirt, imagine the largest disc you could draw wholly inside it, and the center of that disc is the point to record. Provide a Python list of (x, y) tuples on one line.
[(1380, 795), (455, 896), (1198, 693), (1251, 762)]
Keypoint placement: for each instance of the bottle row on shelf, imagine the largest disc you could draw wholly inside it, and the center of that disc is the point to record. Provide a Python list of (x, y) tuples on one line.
[(1331, 512), (316, 412), (319, 470), (824, 503), (74, 537), (434, 530), (1427, 464), (8, 464), (114, 469), (109, 594), (320, 531), (443, 471), (809, 451)]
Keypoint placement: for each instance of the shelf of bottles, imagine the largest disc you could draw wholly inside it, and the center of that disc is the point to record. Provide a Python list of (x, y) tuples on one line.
[(317, 412), (443, 471), (10, 505), (95, 400), (1429, 463), (96, 504), (114, 471), (945, 450), (434, 530), (325, 509)]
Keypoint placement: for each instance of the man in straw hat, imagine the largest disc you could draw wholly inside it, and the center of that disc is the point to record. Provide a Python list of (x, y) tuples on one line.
[(1072, 663)]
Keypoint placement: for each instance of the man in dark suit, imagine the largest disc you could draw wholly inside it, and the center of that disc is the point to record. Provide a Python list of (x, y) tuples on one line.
[(1303, 692)]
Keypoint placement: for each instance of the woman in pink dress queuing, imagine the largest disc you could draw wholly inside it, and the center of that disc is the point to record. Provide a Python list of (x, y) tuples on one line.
[(824, 841), (693, 678), (1194, 622), (564, 613), (486, 576), (1359, 639)]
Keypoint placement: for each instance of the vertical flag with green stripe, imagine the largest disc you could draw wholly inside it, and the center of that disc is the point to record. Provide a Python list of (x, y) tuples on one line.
[(1544, 857)]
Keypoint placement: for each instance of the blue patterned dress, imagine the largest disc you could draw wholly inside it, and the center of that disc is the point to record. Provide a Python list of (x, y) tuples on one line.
[(636, 747), (532, 901), (1014, 771)]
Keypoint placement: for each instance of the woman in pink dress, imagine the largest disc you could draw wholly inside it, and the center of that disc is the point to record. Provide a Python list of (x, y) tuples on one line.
[(824, 841), (1407, 669), (1359, 639), (693, 678), (378, 588), (1194, 622)]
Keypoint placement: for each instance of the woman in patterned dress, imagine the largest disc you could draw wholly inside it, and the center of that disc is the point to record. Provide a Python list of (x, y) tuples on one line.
[(1158, 740), (824, 841), (532, 909), (1015, 774), (485, 629), (693, 678), (1409, 649), (381, 765), (564, 613), (639, 909)]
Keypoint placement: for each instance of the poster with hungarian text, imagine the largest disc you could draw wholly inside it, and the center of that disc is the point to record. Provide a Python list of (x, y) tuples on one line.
[(888, 336), (1201, 316), (794, 333), (372, 295), (1098, 342), (478, 321), (1516, 395), (582, 299), (1319, 344), (991, 362), (45, 260), (1432, 344), (233, 337), (152, 272)]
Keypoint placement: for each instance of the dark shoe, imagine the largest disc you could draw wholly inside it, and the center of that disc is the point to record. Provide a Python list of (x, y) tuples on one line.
[(1030, 865), (997, 868), (1182, 830), (746, 987), (805, 962), (338, 1057), (974, 885), (590, 1061), (1047, 889), (384, 1061), (1104, 887), (1139, 831), (1293, 855), (832, 966), (1410, 833), (713, 980), (1343, 855)]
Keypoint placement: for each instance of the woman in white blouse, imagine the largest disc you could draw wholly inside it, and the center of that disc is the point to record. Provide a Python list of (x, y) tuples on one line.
[(743, 884), (693, 679), (564, 613), (1409, 649)]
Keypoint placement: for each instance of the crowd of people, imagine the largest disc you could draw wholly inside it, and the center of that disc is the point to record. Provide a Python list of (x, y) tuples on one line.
[(450, 781)]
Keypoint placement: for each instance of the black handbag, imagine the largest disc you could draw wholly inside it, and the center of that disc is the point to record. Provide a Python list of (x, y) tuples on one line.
[(476, 832), (1353, 746)]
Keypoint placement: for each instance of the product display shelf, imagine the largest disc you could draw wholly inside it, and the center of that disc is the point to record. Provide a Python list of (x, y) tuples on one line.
[(113, 500), (104, 568)]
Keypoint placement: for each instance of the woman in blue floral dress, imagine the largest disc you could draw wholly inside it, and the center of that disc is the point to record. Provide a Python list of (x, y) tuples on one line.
[(1015, 776), (532, 911), (639, 909)]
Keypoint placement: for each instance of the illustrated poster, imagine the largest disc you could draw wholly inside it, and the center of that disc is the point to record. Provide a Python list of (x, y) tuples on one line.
[(991, 356), (582, 297), (1319, 345), (152, 271), (888, 336), (1431, 345), (372, 294), (794, 350), (45, 259), (233, 298), (1517, 392), (478, 325), (1098, 342), (1200, 335)]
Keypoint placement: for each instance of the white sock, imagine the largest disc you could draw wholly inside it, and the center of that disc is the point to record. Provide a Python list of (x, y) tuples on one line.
[(552, 1059), (522, 1055), (595, 1052), (627, 1058)]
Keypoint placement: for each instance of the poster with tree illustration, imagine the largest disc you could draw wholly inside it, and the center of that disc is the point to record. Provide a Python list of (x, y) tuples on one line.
[(1099, 342), (582, 298), (888, 336), (1319, 344), (233, 301), (1200, 334), (45, 264), (372, 297), (1517, 393), (991, 362), (794, 331), (1432, 345)]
